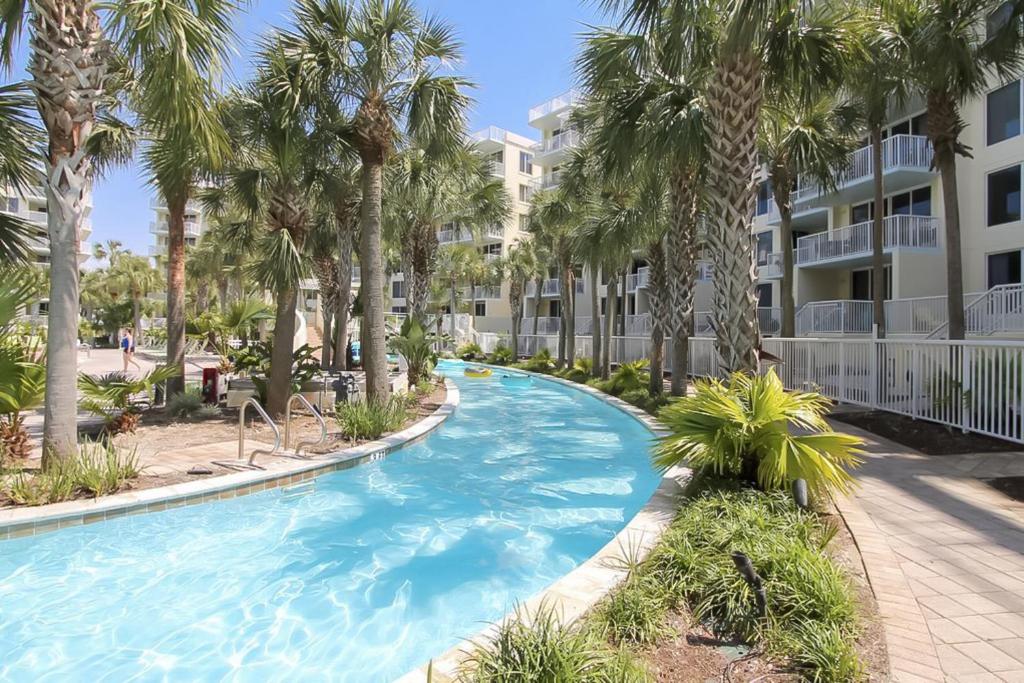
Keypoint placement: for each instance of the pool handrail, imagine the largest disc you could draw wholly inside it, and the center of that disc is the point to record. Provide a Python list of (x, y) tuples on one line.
[(241, 437), (288, 424)]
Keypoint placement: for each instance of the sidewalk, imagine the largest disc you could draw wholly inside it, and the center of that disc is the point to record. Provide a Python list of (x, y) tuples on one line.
[(945, 556)]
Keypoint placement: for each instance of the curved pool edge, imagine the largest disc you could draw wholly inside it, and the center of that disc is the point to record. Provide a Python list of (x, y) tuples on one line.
[(577, 592), (29, 521)]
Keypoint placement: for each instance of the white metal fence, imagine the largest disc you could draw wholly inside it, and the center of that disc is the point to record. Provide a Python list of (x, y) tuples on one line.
[(972, 385)]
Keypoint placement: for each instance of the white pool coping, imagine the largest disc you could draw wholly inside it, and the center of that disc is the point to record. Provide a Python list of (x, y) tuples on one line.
[(29, 521), (580, 590)]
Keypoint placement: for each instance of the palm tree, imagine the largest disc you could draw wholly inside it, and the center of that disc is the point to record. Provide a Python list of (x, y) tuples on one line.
[(134, 275), (454, 265), (519, 266), (382, 60), (808, 136), (952, 62), (322, 247), (78, 63), (19, 140), (425, 193), (554, 216)]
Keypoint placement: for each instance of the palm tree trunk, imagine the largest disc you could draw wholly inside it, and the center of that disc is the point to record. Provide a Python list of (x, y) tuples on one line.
[(780, 187), (176, 293), (734, 103), (569, 315), (344, 294), (137, 320), (658, 296), (370, 260), (222, 293), (472, 304), (595, 325), (609, 327), (280, 383), (943, 124), (878, 235), (451, 313), (681, 272), (625, 302), (515, 304), (325, 351), (656, 385), (536, 305)]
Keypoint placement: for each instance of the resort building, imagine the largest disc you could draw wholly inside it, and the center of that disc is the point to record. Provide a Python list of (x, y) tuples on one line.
[(196, 224), (30, 205), (511, 158)]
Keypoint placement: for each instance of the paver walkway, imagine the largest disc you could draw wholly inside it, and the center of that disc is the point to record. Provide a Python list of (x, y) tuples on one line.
[(945, 556)]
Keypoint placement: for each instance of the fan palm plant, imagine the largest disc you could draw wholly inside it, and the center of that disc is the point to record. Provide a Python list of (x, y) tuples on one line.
[(382, 61), (554, 216), (518, 267), (954, 52), (111, 395), (134, 275), (19, 140), (22, 372), (454, 265), (80, 60), (741, 428), (812, 136)]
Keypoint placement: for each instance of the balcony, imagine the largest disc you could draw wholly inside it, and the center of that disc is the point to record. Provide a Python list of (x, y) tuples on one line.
[(158, 250), (547, 113), (489, 292), (492, 258), (544, 325), (549, 150), (356, 275), (493, 232), (489, 134), (157, 202), (906, 161), (769, 320), (551, 287), (834, 317), (771, 269), (852, 244), (548, 181), (496, 168), (160, 228), (638, 280), (454, 236)]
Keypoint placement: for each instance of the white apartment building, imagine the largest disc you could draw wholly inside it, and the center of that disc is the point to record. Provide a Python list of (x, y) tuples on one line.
[(196, 223), (511, 158), (30, 205)]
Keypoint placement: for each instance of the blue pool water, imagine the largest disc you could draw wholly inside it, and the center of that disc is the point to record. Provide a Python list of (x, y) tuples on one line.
[(360, 577)]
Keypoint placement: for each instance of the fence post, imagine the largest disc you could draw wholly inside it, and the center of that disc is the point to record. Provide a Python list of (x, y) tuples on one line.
[(966, 398), (873, 376), (842, 370), (915, 379)]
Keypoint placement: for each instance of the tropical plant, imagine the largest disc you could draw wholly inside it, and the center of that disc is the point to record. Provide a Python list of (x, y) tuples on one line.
[(501, 355), (81, 60), (632, 376), (539, 362), (741, 428), (382, 61), (519, 266), (112, 396), (134, 275), (185, 405), (19, 141), (554, 217), (97, 469), (416, 344), (22, 372), (954, 48), (469, 351), (454, 264), (367, 420)]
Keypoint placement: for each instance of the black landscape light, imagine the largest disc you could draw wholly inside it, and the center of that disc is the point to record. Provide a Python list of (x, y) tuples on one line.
[(749, 574)]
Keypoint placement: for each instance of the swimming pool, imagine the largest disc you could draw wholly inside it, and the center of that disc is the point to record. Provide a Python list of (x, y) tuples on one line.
[(358, 576)]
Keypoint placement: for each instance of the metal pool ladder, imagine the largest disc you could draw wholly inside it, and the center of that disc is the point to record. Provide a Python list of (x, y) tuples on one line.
[(288, 426), (251, 464)]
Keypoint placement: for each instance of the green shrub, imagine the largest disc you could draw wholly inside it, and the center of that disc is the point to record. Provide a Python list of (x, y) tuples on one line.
[(470, 351), (535, 647), (101, 470), (540, 362), (642, 399), (628, 377), (97, 470), (366, 420), (502, 355), (416, 344), (635, 612), (811, 610), (581, 371), (742, 428), (111, 395), (185, 404)]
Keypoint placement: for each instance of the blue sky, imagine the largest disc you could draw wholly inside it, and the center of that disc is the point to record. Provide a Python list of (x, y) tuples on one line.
[(518, 53)]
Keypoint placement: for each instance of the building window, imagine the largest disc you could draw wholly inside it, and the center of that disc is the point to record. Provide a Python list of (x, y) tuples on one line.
[(493, 249), (764, 197), (862, 213), (399, 309), (553, 309), (480, 308), (526, 163), (398, 289), (1003, 113), (998, 19), (1004, 196), (1004, 268), (862, 287), (9, 204), (764, 295), (524, 193), (914, 203), (764, 247), (524, 223)]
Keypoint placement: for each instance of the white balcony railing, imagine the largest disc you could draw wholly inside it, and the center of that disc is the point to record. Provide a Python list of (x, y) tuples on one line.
[(772, 267), (490, 133), (454, 236), (854, 241), (544, 325), (547, 181), (638, 280), (160, 228), (494, 232), (491, 292), (37, 217), (496, 168), (834, 317), (356, 274), (557, 103), (551, 287), (768, 319), (567, 139)]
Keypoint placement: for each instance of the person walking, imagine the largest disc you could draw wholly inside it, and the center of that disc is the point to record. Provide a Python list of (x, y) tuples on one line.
[(128, 350)]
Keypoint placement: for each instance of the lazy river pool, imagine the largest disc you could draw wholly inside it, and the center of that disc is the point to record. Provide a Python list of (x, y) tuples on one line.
[(357, 576)]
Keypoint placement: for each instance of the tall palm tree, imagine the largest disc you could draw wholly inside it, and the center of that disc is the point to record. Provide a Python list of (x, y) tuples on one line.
[(19, 166), (952, 59), (519, 266), (322, 247), (425, 193), (454, 265), (812, 136), (136, 276), (647, 116), (79, 60), (554, 216), (382, 59)]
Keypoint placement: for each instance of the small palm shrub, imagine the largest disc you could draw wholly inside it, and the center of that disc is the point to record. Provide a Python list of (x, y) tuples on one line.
[(581, 370), (96, 470), (185, 405), (642, 399), (536, 647), (628, 377), (811, 613), (416, 344), (741, 429), (469, 351), (367, 420), (502, 355), (111, 396), (540, 362)]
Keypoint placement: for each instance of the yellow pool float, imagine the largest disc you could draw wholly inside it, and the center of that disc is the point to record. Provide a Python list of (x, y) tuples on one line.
[(477, 372)]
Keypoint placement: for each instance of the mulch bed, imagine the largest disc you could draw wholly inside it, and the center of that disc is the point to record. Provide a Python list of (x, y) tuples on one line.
[(929, 438)]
